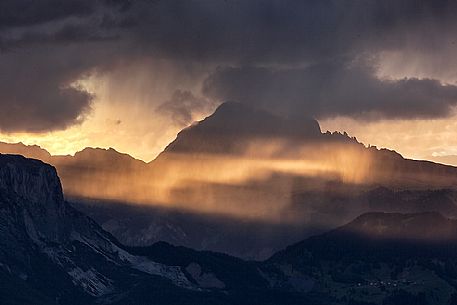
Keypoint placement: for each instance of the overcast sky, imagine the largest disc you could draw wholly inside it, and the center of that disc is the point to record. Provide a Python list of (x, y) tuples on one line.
[(131, 74)]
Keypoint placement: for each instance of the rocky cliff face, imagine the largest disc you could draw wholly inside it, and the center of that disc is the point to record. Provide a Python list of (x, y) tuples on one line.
[(53, 254), (30, 179), (37, 187), (38, 228)]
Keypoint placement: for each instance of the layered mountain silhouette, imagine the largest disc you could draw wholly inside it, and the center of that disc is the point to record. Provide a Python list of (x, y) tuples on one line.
[(52, 254), (231, 130), (140, 225), (246, 182)]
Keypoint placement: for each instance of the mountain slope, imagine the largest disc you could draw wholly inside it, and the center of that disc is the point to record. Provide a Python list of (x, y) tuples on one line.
[(50, 253), (61, 248), (378, 258)]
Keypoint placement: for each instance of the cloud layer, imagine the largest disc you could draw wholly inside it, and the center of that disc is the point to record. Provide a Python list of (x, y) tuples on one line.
[(318, 58), (332, 89)]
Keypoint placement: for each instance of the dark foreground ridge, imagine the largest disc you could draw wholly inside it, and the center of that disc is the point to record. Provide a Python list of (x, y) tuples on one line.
[(53, 254)]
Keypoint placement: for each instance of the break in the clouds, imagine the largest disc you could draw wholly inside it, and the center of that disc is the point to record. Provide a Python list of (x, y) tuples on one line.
[(319, 57)]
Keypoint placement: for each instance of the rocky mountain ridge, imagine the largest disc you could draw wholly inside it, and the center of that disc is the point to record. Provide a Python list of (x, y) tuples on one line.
[(55, 254)]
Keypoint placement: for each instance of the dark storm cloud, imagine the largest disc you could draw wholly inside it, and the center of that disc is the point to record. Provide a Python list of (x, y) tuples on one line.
[(66, 34), (277, 31), (28, 23), (181, 107), (280, 52), (52, 109), (32, 12), (330, 89), (45, 46), (36, 93)]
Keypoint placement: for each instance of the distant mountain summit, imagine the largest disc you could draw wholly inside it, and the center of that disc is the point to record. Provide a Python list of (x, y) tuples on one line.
[(233, 125), (238, 130), (30, 151)]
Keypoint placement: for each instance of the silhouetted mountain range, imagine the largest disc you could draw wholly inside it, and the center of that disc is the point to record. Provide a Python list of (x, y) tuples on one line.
[(230, 130), (234, 127), (246, 182)]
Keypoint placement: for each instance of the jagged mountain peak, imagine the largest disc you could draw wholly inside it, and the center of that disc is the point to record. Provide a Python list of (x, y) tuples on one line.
[(232, 107), (103, 155), (232, 114), (97, 150), (233, 124), (31, 151)]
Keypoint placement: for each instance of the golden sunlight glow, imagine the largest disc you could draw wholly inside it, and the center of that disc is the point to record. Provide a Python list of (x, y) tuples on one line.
[(115, 126), (123, 116), (119, 127), (251, 185), (416, 139)]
